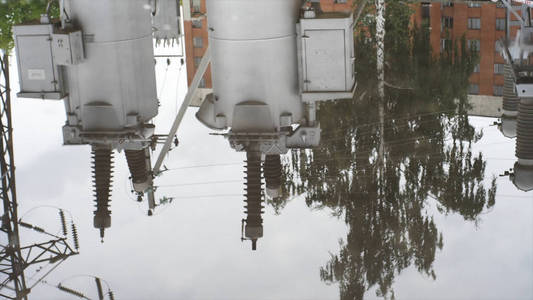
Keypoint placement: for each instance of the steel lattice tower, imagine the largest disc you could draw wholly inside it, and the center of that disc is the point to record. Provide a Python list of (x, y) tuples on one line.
[(11, 260), (15, 258)]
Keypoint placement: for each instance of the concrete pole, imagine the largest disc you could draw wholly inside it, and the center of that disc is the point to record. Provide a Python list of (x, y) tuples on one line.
[(206, 59)]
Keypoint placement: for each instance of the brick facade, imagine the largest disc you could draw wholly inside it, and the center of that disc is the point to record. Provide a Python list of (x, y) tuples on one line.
[(486, 78), (194, 53)]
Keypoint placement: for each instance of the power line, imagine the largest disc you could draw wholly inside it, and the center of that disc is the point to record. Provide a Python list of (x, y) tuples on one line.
[(199, 183), (204, 166), (515, 196), (208, 196)]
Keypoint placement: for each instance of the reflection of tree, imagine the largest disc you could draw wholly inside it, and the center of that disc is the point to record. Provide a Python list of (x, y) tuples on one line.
[(379, 181), (464, 178)]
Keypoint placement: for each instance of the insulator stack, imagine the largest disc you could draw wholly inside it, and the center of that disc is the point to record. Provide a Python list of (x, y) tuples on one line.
[(24, 224), (75, 237), (510, 99), (523, 170), (524, 142), (63, 222), (71, 291), (102, 172), (99, 288), (29, 226), (111, 295), (138, 169), (510, 103), (272, 171), (38, 229), (254, 206)]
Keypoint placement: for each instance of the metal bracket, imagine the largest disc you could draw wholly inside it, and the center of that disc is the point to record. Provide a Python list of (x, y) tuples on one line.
[(206, 59)]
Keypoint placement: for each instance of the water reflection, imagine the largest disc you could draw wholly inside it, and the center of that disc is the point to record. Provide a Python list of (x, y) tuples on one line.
[(387, 165), (383, 160)]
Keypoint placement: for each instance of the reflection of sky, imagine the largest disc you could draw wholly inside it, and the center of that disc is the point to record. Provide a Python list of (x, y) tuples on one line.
[(191, 249), (493, 260)]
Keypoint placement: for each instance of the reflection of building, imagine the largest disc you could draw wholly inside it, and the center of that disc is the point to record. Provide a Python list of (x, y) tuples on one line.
[(196, 37), (482, 25)]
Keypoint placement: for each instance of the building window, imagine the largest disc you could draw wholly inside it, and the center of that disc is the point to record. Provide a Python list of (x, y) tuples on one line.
[(474, 45), (498, 90), (474, 23), (446, 22), (202, 83), (447, 4), (198, 42), (476, 69), (197, 61), (473, 89), (425, 12), (196, 23), (500, 24), (497, 47), (474, 4), (340, 1), (445, 45), (196, 6), (498, 68)]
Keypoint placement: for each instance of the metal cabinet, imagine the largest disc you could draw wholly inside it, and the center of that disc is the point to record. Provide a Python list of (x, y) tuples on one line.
[(38, 75), (326, 50), (41, 49), (324, 61), (67, 48)]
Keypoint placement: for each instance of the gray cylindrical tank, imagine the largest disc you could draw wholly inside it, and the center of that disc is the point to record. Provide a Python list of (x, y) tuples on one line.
[(254, 56), (117, 78)]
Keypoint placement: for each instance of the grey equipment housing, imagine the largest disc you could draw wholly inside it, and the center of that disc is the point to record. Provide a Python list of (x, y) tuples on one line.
[(312, 58), (42, 50), (326, 56)]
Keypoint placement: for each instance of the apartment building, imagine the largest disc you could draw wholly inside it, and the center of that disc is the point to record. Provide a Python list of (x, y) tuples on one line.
[(483, 24), (196, 41), (196, 37)]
